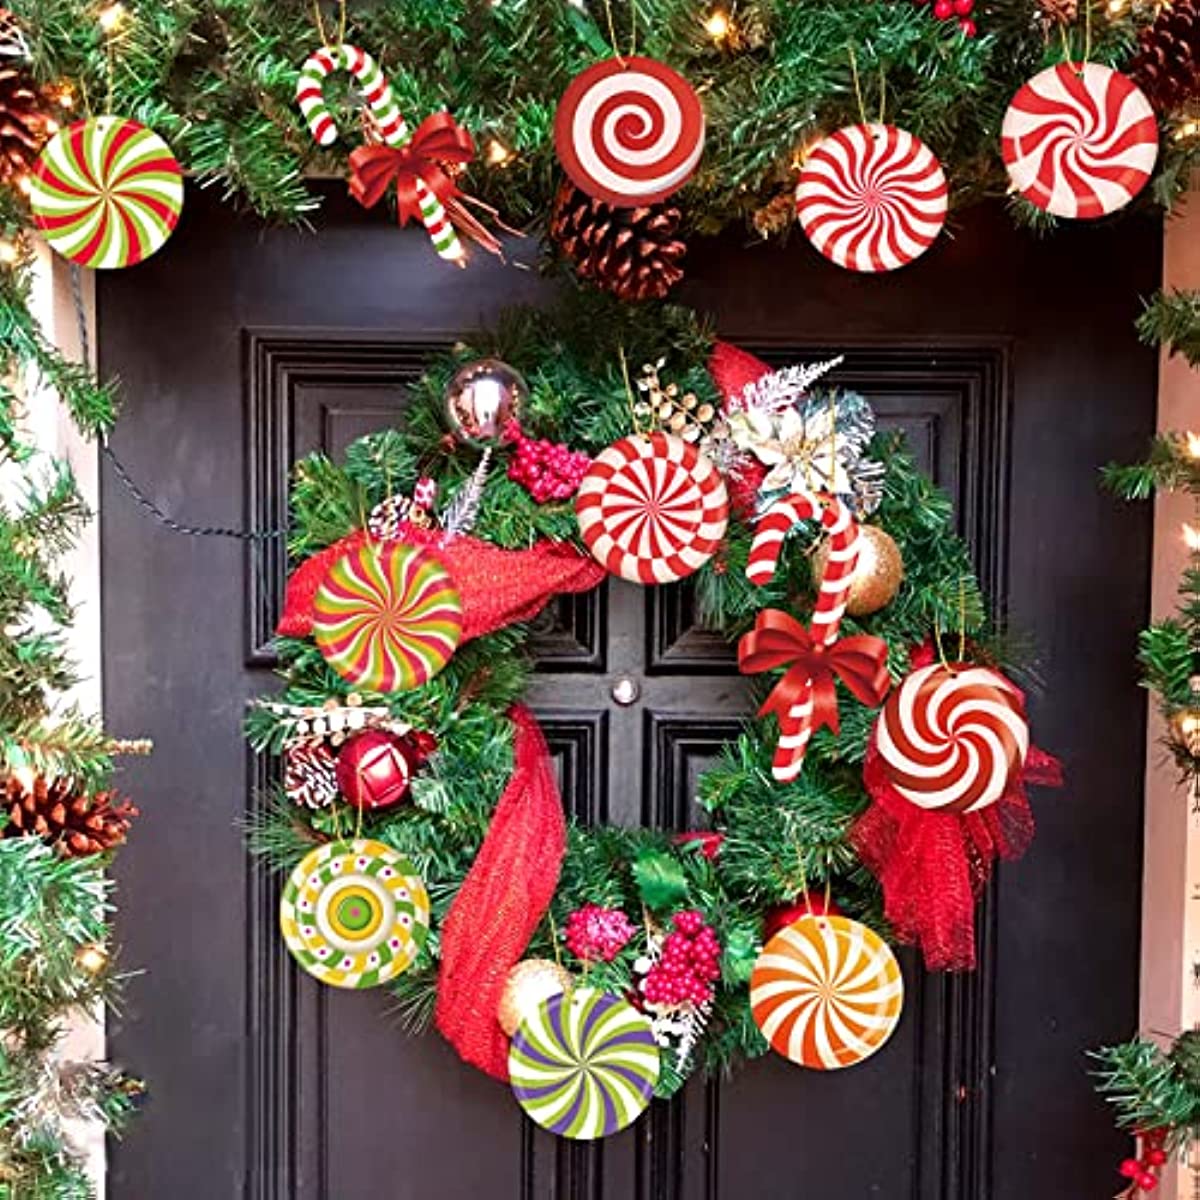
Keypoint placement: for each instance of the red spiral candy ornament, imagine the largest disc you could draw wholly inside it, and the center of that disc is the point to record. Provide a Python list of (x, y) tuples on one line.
[(1079, 140), (871, 197), (629, 131), (652, 508), (953, 738), (796, 725)]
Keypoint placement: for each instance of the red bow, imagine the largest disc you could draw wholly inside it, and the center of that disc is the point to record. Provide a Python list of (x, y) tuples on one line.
[(779, 640), (439, 139)]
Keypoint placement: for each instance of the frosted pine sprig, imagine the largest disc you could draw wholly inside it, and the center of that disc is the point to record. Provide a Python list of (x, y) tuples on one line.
[(781, 389)]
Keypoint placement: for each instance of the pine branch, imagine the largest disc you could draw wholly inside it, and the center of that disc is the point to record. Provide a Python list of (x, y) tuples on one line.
[(1172, 319)]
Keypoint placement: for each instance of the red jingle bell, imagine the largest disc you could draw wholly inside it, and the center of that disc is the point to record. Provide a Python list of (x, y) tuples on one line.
[(807, 904), (375, 768)]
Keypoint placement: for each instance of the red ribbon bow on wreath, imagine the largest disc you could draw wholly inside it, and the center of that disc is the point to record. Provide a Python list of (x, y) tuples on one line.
[(779, 640), (439, 140)]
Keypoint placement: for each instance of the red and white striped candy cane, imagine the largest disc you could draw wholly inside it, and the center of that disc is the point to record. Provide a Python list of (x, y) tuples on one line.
[(795, 728), (392, 128)]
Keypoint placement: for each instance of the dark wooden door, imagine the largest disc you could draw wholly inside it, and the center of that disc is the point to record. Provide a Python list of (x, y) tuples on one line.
[(1011, 364)]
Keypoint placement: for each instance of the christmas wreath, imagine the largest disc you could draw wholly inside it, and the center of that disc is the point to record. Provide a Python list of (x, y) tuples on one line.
[(418, 817)]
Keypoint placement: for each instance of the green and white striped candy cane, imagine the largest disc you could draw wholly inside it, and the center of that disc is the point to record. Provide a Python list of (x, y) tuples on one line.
[(392, 128)]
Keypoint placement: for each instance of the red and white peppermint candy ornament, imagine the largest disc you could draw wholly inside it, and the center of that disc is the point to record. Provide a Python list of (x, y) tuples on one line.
[(652, 509), (629, 131), (1079, 140), (953, 738), (871, 197)]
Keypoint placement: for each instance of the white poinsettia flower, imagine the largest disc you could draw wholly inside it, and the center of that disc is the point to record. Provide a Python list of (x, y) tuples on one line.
[(754, 430)]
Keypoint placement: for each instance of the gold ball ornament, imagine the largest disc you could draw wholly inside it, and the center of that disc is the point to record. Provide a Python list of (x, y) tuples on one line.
[(877, 574), (528, 984), (482, 398), (92, 958)]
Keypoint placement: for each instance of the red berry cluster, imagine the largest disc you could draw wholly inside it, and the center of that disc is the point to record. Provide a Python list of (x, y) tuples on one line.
[(946, 10), (1143, 1173), (597, 934), (546, 470), (689, 965)]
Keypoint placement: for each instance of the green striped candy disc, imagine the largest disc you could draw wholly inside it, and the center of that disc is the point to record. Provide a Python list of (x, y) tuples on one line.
[(106, 192), (584, 1064), (354, 913)]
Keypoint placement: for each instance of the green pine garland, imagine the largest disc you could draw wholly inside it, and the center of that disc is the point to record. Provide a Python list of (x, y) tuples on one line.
[(1169, 650), (779, 839), (50, 906)]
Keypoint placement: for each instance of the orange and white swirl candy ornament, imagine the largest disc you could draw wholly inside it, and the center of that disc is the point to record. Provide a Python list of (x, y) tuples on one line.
[(826, 992), (953, 738)]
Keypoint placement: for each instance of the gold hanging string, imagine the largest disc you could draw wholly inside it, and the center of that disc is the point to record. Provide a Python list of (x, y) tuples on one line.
[(554, 938), (1087, 30), (828, 879), (882, 94), (862, 108), (962, 618), (320, 22), (804, 881), (832, 443), (612, 34), (937, 641), (632, 402), (633, 22)]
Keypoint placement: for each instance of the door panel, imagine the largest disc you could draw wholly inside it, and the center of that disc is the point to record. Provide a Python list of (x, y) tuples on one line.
[(242, 349)]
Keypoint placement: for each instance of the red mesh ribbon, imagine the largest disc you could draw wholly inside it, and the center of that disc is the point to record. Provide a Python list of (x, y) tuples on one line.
[(504, 896), (933, 865), (497, 587)]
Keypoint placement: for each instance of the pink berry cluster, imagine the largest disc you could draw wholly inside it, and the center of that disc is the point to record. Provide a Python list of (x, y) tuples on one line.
[(948, 10), (1143, 1173), (689, 965), (546, 470), (596, 934)]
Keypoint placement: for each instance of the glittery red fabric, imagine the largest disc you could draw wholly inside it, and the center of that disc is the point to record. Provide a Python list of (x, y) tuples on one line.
[(502, 900), (497, 587), (933, 865), (732, 369)]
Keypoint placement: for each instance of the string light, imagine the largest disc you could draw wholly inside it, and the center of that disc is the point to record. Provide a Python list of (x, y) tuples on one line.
[(1191, 537), (112, 17), (498, 154), (24, 185), (64, 97), (1186, 130), (9, 255), (718, 25), (1193, 444), (91, 957)]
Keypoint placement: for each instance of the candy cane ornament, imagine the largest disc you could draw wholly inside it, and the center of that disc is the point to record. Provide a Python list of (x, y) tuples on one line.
[(393, 130), (796, 722)]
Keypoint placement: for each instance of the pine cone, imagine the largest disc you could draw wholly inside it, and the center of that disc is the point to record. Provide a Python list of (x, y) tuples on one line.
[(310, 775), (1167, 64), (1058, 12), (776, 216), (1185, 1056), (25, 118), (73, 822), (632, 252)]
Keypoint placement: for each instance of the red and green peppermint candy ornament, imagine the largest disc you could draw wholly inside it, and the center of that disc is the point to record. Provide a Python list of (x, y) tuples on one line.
[(106, 192), (387, 617)]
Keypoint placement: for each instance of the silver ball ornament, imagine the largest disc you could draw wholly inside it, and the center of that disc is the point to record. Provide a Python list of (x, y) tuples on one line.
[(482, 398)]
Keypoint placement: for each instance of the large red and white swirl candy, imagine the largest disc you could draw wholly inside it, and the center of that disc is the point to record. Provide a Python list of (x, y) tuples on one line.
[(1079, 140), (652, 509), (629, 131), (871, 197), (953, 738)]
